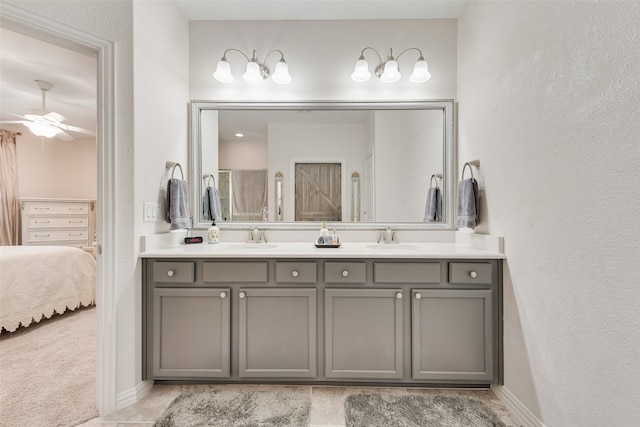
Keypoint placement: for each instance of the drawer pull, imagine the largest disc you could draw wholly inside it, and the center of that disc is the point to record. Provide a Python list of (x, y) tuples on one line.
[(418, 296), (473, 274), (75, 209), (41, 235), (42, 222), (41, 209), (223, 295), (345, 273), (171, 273), (295, 273), (75, 222), (75, 234), (242, 295), (399, 295)]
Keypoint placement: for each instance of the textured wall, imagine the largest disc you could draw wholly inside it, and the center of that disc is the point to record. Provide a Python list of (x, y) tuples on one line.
[(549, 99)]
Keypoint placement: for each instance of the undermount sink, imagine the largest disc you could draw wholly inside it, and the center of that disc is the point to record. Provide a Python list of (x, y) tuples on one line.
[(251, 246), (393, 246)]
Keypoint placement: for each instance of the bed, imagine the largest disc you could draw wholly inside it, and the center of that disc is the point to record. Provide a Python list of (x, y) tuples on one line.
[(35, 281)]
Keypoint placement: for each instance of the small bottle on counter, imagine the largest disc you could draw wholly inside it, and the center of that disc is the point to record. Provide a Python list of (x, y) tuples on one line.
[(334, 238), (213, 234)]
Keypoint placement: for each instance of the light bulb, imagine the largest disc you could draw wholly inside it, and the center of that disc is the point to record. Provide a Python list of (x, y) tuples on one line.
[(252, 74), (281, 74), (391, 73), (223, 72), (420, 72), (361, 71)]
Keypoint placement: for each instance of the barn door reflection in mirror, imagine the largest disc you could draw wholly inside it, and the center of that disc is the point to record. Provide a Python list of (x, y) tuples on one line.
[(318, 192)]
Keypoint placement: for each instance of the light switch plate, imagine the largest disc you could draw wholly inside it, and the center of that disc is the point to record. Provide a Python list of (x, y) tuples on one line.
[(150, 212)]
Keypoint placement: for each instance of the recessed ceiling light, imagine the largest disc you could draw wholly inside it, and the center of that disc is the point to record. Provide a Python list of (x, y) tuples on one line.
[(240, 135)]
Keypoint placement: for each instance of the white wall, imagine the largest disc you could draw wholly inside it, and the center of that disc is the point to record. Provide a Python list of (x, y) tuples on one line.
[(549, 101), (243, 154), (55, 168)]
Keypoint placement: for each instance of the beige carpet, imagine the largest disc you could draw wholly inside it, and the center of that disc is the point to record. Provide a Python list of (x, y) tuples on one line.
[(48, 372)]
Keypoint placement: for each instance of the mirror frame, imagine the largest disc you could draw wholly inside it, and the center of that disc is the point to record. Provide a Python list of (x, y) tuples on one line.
[(448, 165)]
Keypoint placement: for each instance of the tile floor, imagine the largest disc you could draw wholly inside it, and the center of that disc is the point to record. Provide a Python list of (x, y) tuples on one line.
[(327, 403)]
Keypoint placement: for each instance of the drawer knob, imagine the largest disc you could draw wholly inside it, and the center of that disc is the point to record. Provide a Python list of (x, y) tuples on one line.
[(473, 274), (399, 295), (223, 295), (242, 295), (295, 273), (418, 296), (171, 273), (345, 273)]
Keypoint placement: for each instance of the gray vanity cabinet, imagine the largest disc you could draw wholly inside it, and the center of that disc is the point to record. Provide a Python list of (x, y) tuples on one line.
[(191, 329), (451, 334), (277, 332), (363, 333)]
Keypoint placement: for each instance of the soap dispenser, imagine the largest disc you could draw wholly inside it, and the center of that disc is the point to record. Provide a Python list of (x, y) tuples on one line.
[(324, 231), (213, 235)]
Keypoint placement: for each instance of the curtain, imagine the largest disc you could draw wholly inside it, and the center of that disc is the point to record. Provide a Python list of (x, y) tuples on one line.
[(10, 212), (249, 188)]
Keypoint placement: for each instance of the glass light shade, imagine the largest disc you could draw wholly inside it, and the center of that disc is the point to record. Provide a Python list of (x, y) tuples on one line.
[(223, 72), (361, 71), (281, 75), (42, 129), (420, 72), (391, 73), (252, 74)]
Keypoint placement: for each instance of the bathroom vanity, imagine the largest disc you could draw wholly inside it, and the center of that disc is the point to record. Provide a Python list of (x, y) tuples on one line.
[(410, 314)]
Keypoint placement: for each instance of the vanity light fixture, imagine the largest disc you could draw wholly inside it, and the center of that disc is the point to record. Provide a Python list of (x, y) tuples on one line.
[(255, 71), (388, 70)]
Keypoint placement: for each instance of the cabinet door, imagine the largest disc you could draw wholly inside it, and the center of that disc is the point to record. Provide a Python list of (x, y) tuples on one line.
[(191, 330), (277, 333), (451, 335), (363, 333)]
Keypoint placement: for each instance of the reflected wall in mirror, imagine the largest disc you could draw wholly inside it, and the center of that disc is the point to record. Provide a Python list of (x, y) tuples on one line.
[(314, 149)]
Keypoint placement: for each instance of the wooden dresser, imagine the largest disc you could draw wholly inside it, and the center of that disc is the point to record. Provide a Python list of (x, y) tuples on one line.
[(67, 222)]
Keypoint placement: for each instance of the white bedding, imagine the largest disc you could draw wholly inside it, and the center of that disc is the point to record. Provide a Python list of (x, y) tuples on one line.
[(36, 280)]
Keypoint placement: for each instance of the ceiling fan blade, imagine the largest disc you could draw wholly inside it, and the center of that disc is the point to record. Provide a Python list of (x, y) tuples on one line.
[(76, 129), (64, 136), (55, 117), (8, 122)]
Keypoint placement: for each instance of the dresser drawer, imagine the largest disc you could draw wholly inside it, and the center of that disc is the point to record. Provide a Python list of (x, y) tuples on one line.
[(470, 273), (296, 272), (57, 208), (345, 272), (406, 272), (80, 221), (56, 235), (173, 272), (235, 272)]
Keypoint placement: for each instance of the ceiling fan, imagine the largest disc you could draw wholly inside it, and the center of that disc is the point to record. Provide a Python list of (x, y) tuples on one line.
[(48, 124)]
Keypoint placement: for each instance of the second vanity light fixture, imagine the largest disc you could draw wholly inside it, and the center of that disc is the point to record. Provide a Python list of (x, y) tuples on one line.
[(388, 70), (255, 72)]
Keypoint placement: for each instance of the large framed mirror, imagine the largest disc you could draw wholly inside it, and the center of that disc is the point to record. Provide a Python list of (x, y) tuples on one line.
[(290, 165)]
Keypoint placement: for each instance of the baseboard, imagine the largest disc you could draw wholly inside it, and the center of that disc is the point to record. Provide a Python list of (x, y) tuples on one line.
[(133, 395), (520, 412)]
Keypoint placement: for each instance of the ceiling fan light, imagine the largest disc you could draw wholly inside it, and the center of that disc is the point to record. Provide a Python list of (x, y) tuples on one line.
[(223, 72), (420, 72), (391, 73), (281, 74), (361, 71), (43, 130)]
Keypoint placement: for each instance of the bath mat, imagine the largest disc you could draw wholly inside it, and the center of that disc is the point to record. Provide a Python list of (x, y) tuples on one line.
[(389, 410), (229, 408)]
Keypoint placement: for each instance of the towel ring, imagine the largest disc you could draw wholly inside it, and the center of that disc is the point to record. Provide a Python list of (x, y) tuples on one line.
[(209, 179), (434, 176), (470, 170), (177, 165)]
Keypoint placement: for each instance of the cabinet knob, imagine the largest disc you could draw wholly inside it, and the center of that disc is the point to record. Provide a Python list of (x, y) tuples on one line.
[(295, 273), (345, 273), (418, 296), (473, 274), (399, 295), (171, 273), (223, 295), (242, 295)]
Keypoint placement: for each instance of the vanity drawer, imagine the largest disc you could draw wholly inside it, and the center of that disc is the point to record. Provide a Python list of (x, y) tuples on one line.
[(406, 272), (470, 273), (173, 272), (57, 208), (296, 272), (81, 221), (56, 235), (345, 272), (235, 272)]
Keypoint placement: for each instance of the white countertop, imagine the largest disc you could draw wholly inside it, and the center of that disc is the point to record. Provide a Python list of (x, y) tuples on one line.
[(308, 250)]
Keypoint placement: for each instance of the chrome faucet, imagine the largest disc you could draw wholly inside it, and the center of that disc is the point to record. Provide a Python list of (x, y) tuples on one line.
[(256, 236), (387, 236)]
